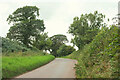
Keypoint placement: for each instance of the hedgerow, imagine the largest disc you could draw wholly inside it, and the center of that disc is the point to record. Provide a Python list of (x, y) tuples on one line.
[(99, 59), (12, 46)]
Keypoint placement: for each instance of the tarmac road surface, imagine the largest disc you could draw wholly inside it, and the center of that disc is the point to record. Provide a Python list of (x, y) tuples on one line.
[(58, 68)]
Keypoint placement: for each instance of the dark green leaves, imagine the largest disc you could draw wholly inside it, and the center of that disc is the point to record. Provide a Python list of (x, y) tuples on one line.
[(57, 41), (64, 50), (85, 28), (24, 13), (26, 25), (42, 42)]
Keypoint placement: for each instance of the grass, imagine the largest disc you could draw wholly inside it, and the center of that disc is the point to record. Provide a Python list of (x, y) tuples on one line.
[(15, 65)]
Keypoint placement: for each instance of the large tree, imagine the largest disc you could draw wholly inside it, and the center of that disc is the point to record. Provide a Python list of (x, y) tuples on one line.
[(26, 24), (57, 41), (85, 28)]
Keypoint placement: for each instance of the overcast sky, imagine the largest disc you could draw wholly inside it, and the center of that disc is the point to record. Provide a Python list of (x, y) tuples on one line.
[(57, 14)]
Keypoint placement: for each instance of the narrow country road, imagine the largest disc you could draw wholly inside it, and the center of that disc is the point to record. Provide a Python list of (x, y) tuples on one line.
[(58, 68)]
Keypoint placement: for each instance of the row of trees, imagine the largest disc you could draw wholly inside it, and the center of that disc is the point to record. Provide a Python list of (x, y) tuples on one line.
[(28, 29)]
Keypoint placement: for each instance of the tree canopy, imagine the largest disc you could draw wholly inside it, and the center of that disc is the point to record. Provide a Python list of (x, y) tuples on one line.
[(26, 25), (57, 41), (42, 42), (85, 28), (64, 50)]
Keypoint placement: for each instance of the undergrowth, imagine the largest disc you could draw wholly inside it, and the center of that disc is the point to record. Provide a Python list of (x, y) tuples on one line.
[(99, 59)]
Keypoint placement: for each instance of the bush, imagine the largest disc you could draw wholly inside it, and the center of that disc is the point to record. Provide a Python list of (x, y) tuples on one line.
[(12, 46), (65, 50), (99, 59)]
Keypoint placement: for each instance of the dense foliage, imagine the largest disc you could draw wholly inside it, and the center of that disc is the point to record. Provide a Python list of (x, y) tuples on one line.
[(42, 42), (57, 41), (10, 46), (26, 25), (64, 50), (85, 28), (99, 59)]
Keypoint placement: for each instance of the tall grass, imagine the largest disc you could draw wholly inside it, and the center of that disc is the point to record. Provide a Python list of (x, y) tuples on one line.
[(15, 65)]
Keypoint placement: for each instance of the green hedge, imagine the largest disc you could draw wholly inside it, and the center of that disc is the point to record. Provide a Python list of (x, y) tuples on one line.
[(12, 46), (99, 59)]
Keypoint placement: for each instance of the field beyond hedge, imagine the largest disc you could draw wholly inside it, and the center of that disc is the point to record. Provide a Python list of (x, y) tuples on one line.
[(14, 66)]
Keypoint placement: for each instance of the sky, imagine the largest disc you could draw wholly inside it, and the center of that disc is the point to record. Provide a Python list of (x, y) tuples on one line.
[(57, 14)]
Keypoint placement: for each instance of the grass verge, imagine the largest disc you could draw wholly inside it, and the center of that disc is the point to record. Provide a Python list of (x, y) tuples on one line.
[(14, 66)]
